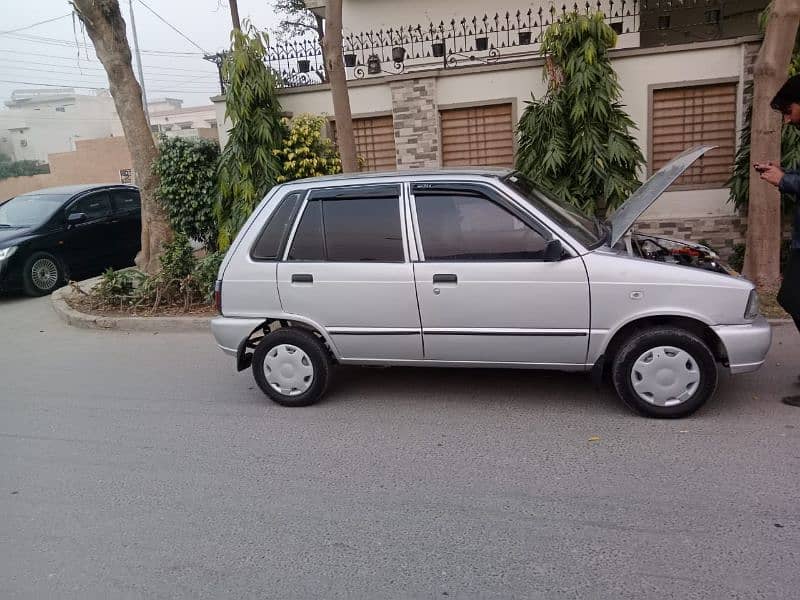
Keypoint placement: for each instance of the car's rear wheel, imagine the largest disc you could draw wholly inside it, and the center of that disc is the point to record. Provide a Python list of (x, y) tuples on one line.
[(664, 372), (292, 367), (42, 274)]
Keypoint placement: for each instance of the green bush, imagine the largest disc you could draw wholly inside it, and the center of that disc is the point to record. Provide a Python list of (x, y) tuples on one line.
[(187, 190), (183, 282), (576, 141), (22, 167), (305, 153)]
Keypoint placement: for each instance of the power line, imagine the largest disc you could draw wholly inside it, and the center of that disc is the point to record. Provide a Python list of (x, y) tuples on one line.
[(90, 71), (37, 39), (171, 26), (158, 79), (94, 61), (89, 87), (7, 31)]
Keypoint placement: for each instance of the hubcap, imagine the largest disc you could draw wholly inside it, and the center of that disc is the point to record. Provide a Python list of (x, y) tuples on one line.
[(288, 370), (665, 376), (44, 274)]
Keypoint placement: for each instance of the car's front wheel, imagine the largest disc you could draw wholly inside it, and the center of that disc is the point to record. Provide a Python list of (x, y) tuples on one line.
[(665, 372), (42, 274), (292, 367)]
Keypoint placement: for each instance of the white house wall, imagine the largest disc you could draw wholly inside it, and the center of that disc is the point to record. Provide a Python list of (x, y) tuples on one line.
[(373, 15), (638, 72)]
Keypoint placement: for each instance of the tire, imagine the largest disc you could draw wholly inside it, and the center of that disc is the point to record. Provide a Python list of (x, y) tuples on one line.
[(306, 365), (42, 274), (683, 375)]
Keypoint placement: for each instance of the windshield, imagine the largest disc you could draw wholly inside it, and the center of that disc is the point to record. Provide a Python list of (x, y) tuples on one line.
[(581, 227), (30, 210)]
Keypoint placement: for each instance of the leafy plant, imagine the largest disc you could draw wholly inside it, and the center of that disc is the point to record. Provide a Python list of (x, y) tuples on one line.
[(187, 170), (20, 168), (576, 140), (305, 153), (739, 182), (248, 166), (182, 283)]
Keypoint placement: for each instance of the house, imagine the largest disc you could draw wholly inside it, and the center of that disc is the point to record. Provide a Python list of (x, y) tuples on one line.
[(39, 122), (177, 121), (444, 84)]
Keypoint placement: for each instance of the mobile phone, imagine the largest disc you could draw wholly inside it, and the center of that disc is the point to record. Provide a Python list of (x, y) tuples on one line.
[(760, 168)]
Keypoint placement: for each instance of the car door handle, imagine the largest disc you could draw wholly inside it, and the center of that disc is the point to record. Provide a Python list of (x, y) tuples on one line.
[(302, 278), (445, 278)]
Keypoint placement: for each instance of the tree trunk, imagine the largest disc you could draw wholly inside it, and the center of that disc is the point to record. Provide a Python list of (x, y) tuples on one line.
[(332, 51), (235, 14), (762, 257), (106, 28)]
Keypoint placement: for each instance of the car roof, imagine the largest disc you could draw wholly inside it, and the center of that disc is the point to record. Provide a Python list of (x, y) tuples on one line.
[(449, 171), (74, 190)]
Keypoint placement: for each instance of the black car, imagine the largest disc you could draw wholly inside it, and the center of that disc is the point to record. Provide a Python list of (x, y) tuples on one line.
[(55, 234)]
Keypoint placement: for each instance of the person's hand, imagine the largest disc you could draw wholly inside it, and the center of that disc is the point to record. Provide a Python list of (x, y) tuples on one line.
[(770, 173)]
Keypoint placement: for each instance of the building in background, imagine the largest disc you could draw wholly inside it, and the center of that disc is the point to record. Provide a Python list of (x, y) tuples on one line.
[(192, 121), (39, 122), (444, 84)]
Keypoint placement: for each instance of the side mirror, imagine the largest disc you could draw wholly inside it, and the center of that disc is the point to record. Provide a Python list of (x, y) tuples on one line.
[(553, 251), (76, 218)]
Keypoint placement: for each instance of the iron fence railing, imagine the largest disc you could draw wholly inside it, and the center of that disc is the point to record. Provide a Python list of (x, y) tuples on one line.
[(487, 39)]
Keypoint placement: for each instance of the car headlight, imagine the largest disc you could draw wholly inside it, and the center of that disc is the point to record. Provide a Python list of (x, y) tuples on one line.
[(5, 253), (751, 312)]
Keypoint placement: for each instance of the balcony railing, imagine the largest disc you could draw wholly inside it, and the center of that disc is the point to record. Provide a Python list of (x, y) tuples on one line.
[(476, 40)]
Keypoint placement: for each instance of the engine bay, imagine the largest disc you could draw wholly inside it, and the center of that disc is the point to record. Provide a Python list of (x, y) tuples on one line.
[(678, 252)]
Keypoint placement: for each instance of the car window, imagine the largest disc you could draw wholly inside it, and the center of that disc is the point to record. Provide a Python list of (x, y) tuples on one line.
[(30, 209), (349, 230), (125, 201), (472, 227), (94, 206), (363, 229), (273, 236), (308, 243)]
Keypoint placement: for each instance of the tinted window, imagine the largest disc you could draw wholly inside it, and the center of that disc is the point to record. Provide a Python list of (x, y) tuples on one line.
[(565, 215), (367, 229), (269, 244), (30, 209), (308, 243), (95, 206), (467, 227), (125, 201)]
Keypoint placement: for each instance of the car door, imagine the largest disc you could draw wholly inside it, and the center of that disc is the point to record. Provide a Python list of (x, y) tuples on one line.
[(87, 246), (487, 292), (126, 225), (346, 268)]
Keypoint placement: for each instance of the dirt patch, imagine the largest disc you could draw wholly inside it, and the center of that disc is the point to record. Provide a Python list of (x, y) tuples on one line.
[(770, 307), (88, 305)]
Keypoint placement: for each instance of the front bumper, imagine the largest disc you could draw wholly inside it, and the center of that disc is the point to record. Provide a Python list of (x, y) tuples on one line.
[(746, 345), (230, 332)]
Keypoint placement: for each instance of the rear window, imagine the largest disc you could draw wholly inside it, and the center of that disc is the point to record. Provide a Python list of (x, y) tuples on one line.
[(344, 226), (273, 237), (125, 201)]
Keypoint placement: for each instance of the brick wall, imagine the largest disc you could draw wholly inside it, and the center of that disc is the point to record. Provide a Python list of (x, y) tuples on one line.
[(416, 123), (93, 161)]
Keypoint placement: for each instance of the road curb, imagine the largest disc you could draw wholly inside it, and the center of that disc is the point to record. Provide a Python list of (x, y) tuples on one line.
[(76, 318)]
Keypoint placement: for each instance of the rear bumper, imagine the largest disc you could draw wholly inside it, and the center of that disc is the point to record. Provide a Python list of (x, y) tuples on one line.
[(230, 332), (746, 345)]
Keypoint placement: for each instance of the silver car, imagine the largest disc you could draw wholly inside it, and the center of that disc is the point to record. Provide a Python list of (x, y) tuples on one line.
[(479, 268)]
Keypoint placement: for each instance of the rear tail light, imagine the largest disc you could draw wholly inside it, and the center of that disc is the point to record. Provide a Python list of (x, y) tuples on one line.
[(218, 295)]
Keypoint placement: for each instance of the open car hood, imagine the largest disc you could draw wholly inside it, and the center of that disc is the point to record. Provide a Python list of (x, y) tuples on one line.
[(625, 216)]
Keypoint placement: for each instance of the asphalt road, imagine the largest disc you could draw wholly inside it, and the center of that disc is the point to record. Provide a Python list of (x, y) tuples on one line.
[(144, 466)]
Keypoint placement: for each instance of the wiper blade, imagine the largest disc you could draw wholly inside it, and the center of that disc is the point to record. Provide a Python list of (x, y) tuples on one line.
[(5, 225)]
